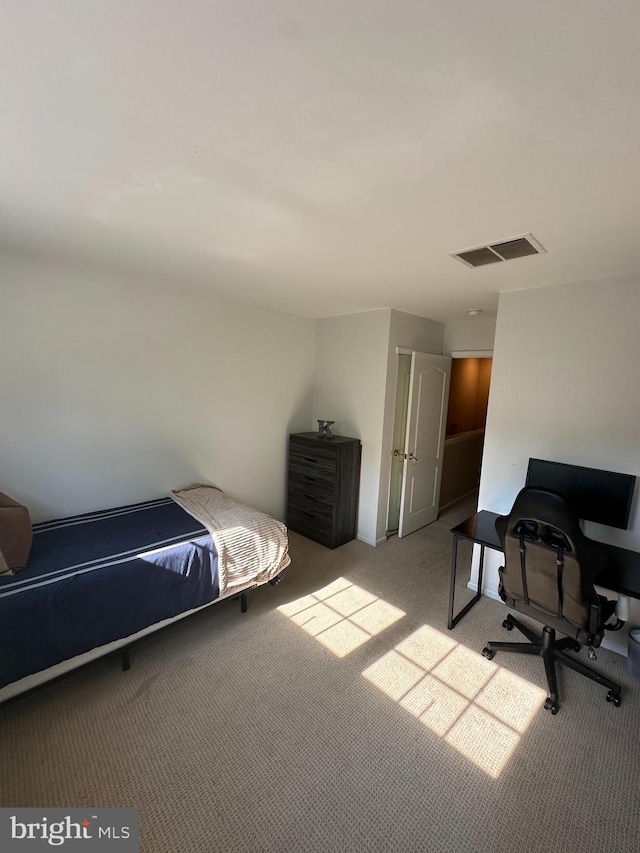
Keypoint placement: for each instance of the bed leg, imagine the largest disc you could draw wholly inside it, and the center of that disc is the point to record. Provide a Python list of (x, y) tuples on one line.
[(243, 602), (125, 658)]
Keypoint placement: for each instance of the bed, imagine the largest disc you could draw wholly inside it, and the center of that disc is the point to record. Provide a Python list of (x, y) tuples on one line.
[(97, 582)]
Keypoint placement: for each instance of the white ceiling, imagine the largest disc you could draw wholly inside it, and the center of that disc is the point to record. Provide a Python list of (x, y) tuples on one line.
[(324, 157)]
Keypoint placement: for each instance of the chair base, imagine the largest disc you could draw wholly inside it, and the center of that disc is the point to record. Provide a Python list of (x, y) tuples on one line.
[(551, 650)]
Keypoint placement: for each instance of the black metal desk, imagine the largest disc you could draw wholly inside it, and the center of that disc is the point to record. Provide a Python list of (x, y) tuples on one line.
[(622, 575), (481, 530)]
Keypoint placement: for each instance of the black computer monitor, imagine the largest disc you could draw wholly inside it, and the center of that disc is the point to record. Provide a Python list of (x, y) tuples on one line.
[(601, 496)]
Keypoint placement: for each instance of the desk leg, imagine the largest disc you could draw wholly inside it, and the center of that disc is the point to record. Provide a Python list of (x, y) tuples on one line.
[(480, 572), (452, 581), (453, 620)]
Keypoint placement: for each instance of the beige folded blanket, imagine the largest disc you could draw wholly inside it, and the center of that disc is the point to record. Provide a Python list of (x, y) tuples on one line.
[(252, 547)]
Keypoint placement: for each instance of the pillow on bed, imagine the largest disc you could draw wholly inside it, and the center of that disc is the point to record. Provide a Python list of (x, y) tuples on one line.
[(15, 535)]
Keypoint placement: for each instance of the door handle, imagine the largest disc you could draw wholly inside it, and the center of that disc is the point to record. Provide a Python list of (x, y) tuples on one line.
[(412, 458)]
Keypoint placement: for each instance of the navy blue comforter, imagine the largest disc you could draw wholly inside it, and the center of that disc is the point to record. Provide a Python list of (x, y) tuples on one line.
[(99, 577)]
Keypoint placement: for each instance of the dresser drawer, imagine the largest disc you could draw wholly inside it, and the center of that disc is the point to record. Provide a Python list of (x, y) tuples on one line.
[(312, 525), (319, 450), (316, 506), (318, 462), (305, 473), (322, 491)]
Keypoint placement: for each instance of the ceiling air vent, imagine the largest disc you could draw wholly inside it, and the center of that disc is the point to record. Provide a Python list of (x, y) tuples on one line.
[(504, 250)]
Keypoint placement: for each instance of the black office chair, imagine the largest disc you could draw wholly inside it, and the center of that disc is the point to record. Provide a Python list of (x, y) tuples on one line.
[(548, 574)]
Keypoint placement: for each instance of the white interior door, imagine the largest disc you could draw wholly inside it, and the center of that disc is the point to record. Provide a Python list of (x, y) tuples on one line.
[(424, 445), (399, 438)]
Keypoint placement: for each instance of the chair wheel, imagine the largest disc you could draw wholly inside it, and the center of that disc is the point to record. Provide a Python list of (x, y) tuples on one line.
[(487, 653), (508, 625), (615, 698), (576, 647), (550, 705)]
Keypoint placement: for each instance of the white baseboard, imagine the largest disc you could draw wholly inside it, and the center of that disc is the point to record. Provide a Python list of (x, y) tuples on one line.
[(488, 592), (456, 500), (372, 542)]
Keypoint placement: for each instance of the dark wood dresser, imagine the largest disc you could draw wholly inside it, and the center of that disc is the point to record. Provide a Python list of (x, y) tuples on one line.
[(324, 480)]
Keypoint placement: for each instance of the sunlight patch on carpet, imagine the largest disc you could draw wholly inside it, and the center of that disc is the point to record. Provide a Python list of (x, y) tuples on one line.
[(476, 706), (341, 616)]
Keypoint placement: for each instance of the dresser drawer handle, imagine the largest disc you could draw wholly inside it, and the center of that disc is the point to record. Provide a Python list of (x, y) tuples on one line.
[(311, 497), (310, 514), (311, 459)]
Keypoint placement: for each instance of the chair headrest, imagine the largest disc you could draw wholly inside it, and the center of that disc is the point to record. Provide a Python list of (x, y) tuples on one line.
[(546, 509)]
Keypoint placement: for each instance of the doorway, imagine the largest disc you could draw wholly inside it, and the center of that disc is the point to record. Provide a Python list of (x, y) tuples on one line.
[(466, 414), (464, 438), (422, 395)]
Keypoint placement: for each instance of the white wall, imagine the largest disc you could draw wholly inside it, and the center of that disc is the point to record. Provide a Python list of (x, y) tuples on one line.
[(115, 391), (350, 387), (470, 333), (564, 387), (356, 375)]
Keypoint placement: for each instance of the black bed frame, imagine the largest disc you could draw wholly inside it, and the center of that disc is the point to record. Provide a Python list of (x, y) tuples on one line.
[(125, 651)]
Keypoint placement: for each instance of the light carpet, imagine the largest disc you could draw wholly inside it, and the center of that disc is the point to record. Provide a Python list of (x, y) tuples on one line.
[(338, 714)]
